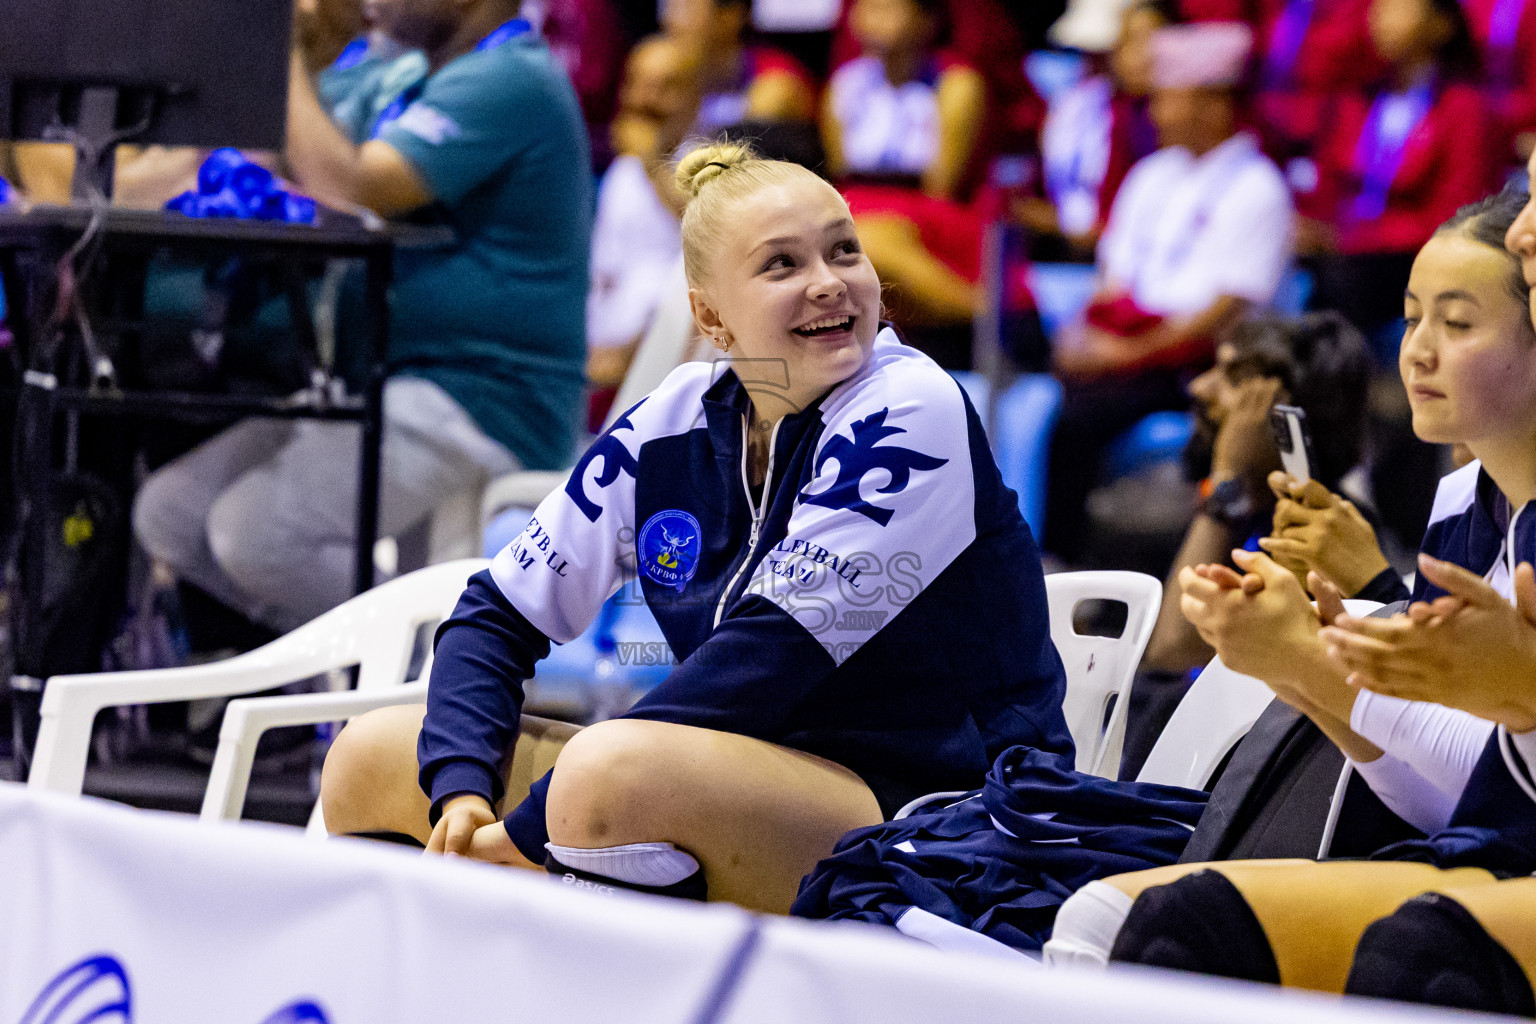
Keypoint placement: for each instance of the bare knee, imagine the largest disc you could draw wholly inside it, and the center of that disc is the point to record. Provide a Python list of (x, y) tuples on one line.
[(607, 785), (368, 783)]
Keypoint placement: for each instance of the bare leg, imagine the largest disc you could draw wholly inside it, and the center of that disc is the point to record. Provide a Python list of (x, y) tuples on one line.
[(756, 816), (932, 293), (369, 780)]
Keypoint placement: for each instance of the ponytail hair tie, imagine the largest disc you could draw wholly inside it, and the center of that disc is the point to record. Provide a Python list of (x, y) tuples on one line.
[(717, 163)]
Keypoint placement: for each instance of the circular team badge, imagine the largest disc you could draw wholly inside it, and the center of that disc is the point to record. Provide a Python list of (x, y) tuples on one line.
[(668, 546)]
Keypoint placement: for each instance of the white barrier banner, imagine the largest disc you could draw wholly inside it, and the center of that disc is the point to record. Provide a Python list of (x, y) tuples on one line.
[(150, 918), (115, 916)]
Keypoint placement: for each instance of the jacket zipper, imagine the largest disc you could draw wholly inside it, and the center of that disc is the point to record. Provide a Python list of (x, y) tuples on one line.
[(1509, 551), (759, 513)]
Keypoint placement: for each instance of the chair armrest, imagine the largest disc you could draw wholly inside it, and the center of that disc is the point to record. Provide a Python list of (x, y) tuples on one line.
[(524, 489), (70, 703), (245, 720)]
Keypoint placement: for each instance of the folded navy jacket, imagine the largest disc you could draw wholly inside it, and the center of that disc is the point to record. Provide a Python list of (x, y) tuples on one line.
[(1002, 859)]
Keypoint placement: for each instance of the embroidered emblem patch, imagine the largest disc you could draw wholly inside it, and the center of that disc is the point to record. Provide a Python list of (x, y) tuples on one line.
[(668, 546)]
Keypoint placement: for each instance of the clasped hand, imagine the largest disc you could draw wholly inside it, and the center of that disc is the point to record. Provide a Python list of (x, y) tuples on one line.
[(1263, 624), (470, 828), (1470, 649)]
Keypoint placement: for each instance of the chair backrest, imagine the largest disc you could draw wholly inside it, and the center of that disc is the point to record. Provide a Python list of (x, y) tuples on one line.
[(1100, 668), (1214, 716), (378, 629)]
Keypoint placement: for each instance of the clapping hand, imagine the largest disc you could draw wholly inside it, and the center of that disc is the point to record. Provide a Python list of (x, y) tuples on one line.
[(1470, 649)]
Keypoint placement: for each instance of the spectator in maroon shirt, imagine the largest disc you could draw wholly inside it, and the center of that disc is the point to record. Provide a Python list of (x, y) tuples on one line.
[(1505, 30), (1398, 160)]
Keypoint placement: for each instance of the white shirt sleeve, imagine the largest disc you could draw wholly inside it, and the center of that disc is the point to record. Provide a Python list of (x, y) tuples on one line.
[(1406, 793), (1440, 743), (1117, 253)]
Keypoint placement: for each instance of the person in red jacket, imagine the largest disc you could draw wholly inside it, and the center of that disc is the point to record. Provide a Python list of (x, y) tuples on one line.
[(1398, 160), (1308, 52), (1505, 30)]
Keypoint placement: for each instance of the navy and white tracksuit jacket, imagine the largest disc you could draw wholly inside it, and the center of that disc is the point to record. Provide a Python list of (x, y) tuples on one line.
[(1494, 822), (879, 604)]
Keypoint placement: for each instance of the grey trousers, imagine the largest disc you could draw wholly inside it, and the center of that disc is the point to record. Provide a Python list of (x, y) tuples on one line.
[(264, 515)]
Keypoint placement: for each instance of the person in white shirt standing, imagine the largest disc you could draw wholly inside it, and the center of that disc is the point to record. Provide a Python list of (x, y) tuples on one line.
[(1199, 234)]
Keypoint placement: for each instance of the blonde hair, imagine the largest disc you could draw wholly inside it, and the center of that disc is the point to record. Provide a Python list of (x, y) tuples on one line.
[(713, 179)]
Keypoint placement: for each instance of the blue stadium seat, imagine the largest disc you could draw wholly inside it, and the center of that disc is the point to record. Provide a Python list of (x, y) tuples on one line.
[(1025, 415), (1061, 290), (1159, 437), (1294, 293)]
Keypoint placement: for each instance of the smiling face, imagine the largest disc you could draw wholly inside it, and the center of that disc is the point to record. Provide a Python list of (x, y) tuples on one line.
[(1468, 358), (788, 283)]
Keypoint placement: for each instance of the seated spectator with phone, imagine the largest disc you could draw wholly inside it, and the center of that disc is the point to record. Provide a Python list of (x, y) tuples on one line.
[(1319, 365)]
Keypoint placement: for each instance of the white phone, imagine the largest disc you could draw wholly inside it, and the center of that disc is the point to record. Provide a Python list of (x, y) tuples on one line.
[(1289, 424)]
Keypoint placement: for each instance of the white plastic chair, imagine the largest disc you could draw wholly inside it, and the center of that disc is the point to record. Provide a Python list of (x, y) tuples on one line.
[(1215, 714), (1098, 668), (375, 631)]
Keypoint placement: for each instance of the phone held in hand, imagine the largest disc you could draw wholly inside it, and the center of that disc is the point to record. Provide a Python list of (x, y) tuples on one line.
[(1289, 425)]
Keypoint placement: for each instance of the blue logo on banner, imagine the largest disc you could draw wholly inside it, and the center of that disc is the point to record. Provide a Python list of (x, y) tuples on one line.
[(96, 991), (669, 546), (302, 1011)]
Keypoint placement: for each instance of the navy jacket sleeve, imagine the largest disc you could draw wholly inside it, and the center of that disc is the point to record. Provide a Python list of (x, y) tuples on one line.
[(484, 652), (547, 585), (1386, 587)]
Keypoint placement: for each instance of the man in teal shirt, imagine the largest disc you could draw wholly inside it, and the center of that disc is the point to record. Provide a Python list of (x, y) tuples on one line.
[(486, 334)]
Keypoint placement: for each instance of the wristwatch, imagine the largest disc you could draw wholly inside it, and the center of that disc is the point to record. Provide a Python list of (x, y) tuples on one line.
[(1227, 502)]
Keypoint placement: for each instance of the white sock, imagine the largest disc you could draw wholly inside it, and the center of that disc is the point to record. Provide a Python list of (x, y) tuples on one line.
[(654, 864), (1086, 926)]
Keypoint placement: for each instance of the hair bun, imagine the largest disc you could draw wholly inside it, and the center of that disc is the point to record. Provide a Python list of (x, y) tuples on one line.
[(705, 164)]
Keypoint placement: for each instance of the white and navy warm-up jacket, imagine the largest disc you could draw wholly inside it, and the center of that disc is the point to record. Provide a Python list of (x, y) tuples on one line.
[(879, 602), (1473, 792)]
